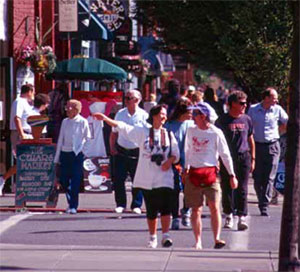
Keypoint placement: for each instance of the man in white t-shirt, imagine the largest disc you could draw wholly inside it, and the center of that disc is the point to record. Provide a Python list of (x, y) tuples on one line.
[(126, 152), (19, 127), (204, 143)]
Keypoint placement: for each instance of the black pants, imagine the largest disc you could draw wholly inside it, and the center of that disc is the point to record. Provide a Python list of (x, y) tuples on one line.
[(158, 200), (123, 166), (236, 200)]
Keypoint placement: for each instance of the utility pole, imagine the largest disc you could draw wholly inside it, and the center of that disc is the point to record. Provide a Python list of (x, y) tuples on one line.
[(289, 240)]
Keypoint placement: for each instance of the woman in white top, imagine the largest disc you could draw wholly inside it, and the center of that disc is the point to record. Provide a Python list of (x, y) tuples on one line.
[(154, 175)]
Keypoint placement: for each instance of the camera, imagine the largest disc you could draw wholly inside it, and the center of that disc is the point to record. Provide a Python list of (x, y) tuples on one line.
[(157, 158)]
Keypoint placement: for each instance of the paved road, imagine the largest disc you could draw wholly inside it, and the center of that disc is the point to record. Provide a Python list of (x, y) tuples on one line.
[(105, 242)]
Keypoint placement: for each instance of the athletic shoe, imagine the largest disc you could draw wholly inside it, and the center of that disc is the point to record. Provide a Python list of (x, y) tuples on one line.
[(119, 210), (166, 241), (175, 224), (71, 211), (2, 182), (136, 210), (242, 225), (152, 243), (264, 213), (186, 220), (228, 222)]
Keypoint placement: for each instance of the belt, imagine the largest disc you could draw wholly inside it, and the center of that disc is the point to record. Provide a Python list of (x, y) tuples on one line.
[(27, 132), (268, 143), (133, 153)]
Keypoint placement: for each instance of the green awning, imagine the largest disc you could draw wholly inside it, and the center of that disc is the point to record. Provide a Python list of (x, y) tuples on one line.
[(87, 69)]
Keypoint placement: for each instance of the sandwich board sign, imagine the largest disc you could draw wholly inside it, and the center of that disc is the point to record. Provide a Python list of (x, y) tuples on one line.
[(35, 174)]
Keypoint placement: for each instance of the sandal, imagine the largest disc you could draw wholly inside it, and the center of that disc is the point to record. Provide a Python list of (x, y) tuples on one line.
[(219, 244)]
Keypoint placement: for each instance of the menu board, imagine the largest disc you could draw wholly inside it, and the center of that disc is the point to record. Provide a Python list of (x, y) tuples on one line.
[(35, 173)]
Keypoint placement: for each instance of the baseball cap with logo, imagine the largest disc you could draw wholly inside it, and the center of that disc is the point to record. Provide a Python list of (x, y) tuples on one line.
[(200, 107)]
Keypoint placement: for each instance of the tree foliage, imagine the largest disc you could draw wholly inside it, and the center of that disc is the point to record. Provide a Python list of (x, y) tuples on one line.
[(248, 41)]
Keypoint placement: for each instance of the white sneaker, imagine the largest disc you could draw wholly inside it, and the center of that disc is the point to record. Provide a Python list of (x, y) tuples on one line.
[(152, 243), (242, 225), (228, 222), (119, 210), (2, 182), (137, 210)]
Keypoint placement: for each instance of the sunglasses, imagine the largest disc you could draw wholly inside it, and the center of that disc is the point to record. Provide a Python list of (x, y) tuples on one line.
[(243, 103), (129, 98)]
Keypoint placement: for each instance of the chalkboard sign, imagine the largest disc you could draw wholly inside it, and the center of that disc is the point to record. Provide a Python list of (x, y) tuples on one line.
[(35, 173)]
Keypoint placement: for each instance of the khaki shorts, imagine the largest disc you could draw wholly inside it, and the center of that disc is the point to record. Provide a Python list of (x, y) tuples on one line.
[(15, 139), (194, 196)]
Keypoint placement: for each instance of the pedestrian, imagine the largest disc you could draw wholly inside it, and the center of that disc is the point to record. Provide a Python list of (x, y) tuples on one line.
[(197, 97), (149, 104), (172, 96), (238, 130), (211, 98), (178, 123), (19, 128), (267, 118), (126, 152), (154, 174), (56, 110), (204, 143), (73, 134)]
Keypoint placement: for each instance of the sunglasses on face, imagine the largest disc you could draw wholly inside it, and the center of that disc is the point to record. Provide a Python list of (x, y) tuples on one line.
[(242, 103), (129, 98)]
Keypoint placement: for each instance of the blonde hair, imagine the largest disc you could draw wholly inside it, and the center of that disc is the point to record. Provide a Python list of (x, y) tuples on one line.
[(76, 104), (152, 97)]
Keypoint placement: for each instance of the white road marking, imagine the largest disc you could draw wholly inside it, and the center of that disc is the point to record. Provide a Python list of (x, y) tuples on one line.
[(239, 239), (11, 221)]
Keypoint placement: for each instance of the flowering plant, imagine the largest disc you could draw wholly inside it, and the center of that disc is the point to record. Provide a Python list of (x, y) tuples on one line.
[(40, 58)]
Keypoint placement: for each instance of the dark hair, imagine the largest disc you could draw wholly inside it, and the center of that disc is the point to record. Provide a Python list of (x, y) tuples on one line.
[(40, 100), (154, 111), (236, 96), (26, 88), (181, 108), (210, 94), (173, 87)]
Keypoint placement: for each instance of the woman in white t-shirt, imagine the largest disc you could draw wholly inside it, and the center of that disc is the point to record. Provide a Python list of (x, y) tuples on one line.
[(154, 175)]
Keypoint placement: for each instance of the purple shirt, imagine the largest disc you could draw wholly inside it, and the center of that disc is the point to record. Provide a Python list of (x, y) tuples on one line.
[(236, 131)]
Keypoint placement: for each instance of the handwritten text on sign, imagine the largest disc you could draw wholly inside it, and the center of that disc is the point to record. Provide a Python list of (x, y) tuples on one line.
[(35, 172)]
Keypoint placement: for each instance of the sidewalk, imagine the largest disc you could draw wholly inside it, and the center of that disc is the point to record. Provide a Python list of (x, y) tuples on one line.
[(33, 257), (49, 258), (92, 202)]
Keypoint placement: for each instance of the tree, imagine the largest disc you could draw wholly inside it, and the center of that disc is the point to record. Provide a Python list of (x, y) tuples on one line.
[(248, 41), (289, 236)]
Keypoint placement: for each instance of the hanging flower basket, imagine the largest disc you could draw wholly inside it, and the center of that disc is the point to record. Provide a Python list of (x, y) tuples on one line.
[(41, 59)]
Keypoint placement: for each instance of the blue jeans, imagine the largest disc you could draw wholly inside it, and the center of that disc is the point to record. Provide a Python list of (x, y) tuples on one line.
[(71, 175), (122, 166)]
